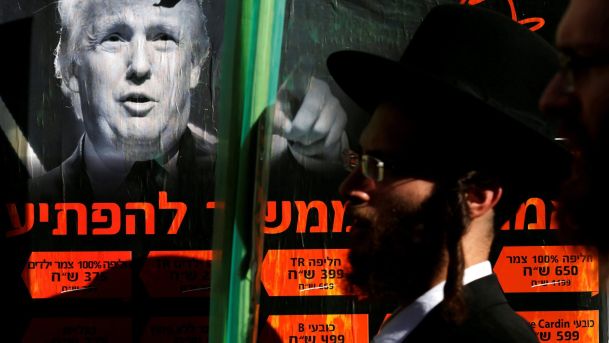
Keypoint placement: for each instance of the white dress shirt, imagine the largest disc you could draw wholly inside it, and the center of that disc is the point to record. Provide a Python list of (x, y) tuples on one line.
[(404, 320)]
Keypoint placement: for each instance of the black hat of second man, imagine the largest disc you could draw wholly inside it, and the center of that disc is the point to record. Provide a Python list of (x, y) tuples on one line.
[(463, 57)]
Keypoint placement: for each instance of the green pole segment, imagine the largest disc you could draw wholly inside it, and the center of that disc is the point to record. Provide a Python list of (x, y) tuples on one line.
[(230, 121), (249, 78), (265, 85)]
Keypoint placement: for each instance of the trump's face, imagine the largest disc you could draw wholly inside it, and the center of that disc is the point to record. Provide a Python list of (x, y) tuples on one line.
[(134, 72)]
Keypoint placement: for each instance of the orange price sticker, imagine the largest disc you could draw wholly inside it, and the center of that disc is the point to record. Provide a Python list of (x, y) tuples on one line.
[(330, 328), (558, 326), (184, 273), (89, 274), (531, 269), (304, 272)]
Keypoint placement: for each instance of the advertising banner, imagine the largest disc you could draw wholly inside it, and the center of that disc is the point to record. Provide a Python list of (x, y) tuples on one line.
[(108, 114), (305, 257), (109, 133)]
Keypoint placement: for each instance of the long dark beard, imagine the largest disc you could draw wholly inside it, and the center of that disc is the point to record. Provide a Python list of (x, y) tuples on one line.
[(395, 259)]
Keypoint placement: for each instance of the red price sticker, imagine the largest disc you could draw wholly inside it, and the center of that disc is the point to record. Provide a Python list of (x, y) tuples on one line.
[(331, 328), (90, 274), (558, 326), (531, 269), (305, 272)]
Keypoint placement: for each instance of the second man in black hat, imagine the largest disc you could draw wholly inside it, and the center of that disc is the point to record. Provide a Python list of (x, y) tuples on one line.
[(446, 157)]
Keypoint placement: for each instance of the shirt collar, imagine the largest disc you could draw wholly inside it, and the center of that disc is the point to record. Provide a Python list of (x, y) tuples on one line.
[(403, 321), (106, 179)]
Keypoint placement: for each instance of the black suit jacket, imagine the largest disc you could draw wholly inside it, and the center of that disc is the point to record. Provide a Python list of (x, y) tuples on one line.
[(193, 185), (69, 182), (491, 319)]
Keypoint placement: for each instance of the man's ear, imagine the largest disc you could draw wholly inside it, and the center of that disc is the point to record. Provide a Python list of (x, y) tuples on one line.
[(70, 80), (72, 83), (195, 72), (480, 201)]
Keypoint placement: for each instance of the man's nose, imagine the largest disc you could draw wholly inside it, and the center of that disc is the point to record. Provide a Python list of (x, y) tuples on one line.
[(357, 188), (139, 63), (559, 99)]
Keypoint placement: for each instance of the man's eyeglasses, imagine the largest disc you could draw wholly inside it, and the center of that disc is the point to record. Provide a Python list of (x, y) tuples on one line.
[(372, 167), (571, 64)]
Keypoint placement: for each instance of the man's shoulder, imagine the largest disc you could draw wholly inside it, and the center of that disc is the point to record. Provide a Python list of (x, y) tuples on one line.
[(491, 318), (203, 140), (205, 146), (60, 182), (196, 165), (197, 148), (47, 184), (498, 323), (49, 187)]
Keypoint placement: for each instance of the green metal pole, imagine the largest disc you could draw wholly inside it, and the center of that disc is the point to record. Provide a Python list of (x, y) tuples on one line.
[(249, 79)]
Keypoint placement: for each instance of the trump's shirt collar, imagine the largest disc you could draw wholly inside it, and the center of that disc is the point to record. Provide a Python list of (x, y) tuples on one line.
[(107, 181)]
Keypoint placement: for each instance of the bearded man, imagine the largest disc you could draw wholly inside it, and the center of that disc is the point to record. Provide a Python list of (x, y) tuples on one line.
[(446, 160)]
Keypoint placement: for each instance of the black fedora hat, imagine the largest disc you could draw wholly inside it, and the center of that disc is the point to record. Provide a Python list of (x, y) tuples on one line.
[(460, 58)]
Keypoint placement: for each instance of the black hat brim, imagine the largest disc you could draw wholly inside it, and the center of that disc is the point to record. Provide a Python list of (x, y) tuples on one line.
[(522, 154)]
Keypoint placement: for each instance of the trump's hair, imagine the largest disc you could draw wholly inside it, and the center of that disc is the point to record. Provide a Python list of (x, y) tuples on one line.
[(74, 25)]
